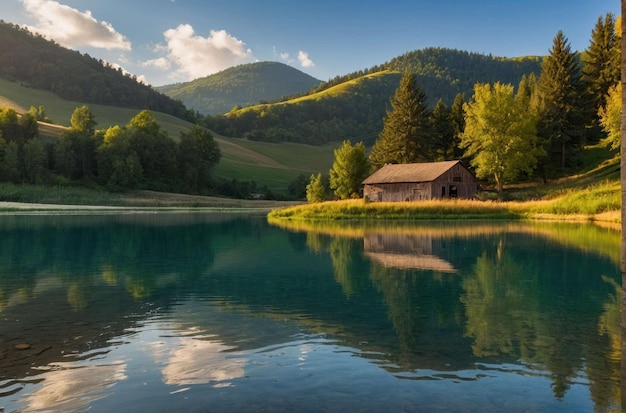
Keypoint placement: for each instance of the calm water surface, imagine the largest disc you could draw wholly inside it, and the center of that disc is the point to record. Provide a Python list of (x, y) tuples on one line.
[(226, 313)]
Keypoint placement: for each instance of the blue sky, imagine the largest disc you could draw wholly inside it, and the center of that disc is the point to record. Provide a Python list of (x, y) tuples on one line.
[(168, 41)]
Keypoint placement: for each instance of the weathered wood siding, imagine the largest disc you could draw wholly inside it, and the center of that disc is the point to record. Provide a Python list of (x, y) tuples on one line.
[(457, 182)]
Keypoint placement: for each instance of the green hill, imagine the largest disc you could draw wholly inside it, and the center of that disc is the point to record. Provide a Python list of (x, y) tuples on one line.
[(240, 86), (42, 64), (353, 106)]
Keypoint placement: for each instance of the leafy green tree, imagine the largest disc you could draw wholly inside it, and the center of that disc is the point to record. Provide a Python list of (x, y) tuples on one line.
[(117, 164), (198, 154), (29, 126), (406, 136), (63, 159), (39, 114), (9, 125), (155, 150), (349, 169), (10, 166), (610, 116), (83, 120), (35, 161), (315, 190), (561, 105), (500, 134), (601, 62)]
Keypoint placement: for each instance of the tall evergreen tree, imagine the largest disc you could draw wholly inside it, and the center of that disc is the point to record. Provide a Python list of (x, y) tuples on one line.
[(457, 122), (601, 62), (561, 108), (406, 136), (443, 133)]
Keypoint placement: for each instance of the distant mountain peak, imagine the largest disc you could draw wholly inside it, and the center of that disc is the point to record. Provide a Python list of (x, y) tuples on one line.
[(241, 85)]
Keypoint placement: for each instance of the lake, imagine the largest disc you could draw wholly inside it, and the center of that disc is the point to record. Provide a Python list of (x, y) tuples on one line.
[(217, 312)]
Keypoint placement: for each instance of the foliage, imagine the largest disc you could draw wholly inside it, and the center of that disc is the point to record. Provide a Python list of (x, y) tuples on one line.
[(83, 120), (349, 169), (610, 116), (198, 153), (32, 59), (315, 190), (138, 155), (406, 136), (562, 106), (241, 85), (500, 134), (297, 188)]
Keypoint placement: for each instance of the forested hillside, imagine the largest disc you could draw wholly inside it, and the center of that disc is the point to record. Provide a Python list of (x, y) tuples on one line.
[(242, 85), (43, 64), (357, 112)]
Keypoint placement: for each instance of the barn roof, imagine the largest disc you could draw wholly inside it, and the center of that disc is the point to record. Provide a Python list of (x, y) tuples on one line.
[(410, 172)]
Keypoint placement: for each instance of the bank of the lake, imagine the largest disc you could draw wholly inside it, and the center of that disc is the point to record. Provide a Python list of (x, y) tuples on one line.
[(443, 209)]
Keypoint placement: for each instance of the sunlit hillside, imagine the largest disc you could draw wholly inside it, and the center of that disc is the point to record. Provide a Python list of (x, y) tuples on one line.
[(274, 165)]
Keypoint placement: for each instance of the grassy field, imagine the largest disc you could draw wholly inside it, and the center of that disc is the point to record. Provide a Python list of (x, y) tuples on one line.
[(269, 164)]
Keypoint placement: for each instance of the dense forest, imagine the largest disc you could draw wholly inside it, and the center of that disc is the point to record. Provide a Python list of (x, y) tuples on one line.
[(357, 112), (42, 64), (241, 85)]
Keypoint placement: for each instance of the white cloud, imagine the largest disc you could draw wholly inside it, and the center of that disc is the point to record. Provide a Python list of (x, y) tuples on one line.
[(304, 59), (198, 56), (282, 55), (160, 63), (70, 27)]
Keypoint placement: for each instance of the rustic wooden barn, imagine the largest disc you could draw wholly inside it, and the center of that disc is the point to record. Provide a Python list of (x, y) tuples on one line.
[(420, 181)]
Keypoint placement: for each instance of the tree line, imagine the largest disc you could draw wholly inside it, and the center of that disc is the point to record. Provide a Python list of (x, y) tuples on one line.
[(505, 133), (139, 155)]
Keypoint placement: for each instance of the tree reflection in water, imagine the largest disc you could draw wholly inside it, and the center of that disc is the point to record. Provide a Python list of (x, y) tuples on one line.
[(443, 302)]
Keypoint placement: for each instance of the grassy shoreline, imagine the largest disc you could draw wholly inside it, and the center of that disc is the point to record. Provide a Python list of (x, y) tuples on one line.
[(599, 202), (563, 209)]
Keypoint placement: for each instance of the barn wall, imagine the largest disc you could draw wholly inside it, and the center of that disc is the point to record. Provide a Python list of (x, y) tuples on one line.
[(400, 192), (458, 183)]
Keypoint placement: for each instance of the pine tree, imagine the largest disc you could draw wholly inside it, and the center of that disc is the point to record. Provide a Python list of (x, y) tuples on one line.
[(457, 122), (406, 136), (601, 68), (443, 133), (561, 105)]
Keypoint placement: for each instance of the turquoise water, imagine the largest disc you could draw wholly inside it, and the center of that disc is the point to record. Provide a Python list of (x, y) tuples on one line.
[(209, 312)]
